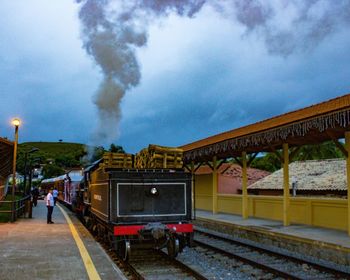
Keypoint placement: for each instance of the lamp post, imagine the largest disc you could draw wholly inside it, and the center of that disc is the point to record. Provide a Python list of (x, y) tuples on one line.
[(31, 170), (33, 150), (16, 123)]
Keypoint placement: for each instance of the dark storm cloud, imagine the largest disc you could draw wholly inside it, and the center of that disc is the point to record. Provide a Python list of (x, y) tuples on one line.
[(113, 30), (190, 68), (213, 97)]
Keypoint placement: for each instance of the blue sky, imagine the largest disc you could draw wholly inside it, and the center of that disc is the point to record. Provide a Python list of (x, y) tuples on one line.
[(197, 67)]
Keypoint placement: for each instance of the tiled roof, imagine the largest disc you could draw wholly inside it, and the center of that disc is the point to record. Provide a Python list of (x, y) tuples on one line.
[(235, 171), (317, 175), (253, 174)]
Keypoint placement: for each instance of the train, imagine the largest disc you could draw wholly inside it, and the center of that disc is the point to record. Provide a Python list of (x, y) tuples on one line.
[(131, 208), (70, 188)]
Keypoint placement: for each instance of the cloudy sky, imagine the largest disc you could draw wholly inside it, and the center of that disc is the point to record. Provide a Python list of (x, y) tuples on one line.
[(165, 72)]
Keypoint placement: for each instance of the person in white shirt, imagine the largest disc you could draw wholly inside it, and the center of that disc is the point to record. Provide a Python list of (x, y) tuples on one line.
[(49, 204), (55, 195)]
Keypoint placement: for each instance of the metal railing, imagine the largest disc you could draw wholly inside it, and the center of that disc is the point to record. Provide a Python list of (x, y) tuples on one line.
[(16, 208)]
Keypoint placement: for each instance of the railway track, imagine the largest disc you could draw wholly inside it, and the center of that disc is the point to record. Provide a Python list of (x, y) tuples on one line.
[(275, 264), (155, 264), (217, 257), (152, 264)]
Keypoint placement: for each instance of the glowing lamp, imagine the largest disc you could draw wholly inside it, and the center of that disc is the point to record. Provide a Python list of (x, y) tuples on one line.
[(16, 122)]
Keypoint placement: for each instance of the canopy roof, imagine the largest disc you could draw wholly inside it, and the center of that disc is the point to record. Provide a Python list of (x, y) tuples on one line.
[(6, 157), (311, 125)]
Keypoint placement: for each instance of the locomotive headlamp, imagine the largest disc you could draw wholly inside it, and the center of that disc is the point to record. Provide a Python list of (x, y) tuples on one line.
[(154, 191)]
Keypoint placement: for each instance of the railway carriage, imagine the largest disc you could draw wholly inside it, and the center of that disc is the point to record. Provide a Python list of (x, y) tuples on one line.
[(53, 183), (69, 188)]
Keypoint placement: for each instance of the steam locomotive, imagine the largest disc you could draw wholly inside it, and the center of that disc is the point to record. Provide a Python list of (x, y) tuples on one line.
[(135, 208)]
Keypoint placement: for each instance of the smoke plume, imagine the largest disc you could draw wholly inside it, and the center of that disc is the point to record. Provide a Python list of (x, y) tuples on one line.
[(113, 29)]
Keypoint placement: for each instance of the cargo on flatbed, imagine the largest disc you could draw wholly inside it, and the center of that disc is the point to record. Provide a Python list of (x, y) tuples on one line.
[(159, 157)]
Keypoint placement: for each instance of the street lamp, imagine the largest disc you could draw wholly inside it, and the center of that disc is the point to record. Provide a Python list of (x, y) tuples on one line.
[(33, 150), (35, 160), (16, 122)]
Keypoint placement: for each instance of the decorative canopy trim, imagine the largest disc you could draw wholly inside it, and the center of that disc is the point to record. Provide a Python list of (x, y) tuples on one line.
[(267, 133)]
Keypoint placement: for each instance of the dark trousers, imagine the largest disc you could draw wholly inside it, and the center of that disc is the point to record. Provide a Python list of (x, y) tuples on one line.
[(35, 200), (49, 213)]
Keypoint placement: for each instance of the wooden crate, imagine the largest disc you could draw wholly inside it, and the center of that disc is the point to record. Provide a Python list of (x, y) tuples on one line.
[(159, 157), (141, 159), (117, 160)]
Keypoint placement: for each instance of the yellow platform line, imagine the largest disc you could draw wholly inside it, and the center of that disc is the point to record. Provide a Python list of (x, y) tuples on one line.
[(89, 265)]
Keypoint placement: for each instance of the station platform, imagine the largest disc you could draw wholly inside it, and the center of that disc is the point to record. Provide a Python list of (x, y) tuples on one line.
[(33, 249), (312, 243)]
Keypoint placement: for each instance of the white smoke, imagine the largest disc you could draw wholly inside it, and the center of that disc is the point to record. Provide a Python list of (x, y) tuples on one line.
[(113, 29), (291, 26)]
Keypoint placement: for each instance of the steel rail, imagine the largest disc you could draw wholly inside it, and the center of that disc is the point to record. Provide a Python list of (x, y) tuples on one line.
[(252, 262), (164, 262), (322, 268), (185, 267)]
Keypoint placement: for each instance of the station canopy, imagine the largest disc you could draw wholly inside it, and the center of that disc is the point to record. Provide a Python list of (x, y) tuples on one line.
[(6, 157), (311, 125)]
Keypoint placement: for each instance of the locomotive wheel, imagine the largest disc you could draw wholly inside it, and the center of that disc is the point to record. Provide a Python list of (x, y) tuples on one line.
[(173, 247), (124, 249)]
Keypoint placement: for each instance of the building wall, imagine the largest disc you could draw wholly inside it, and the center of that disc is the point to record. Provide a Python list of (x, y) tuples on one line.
[(228, 185), (204, 191), (321, 212), (229, 177), (230, 204)]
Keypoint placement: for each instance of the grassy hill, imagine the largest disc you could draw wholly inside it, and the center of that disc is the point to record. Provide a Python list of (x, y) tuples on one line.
[(55, 156), (53, 149)]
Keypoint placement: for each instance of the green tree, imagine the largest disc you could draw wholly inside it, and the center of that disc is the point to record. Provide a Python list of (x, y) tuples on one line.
[(116, 149), (67, 160), (52, 170), (325, 150), (29, 159), (269, 162), (97, 153)]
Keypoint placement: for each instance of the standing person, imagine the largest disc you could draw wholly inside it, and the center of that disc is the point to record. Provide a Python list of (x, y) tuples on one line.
[(49, 204), (35, 194), (55, 195)]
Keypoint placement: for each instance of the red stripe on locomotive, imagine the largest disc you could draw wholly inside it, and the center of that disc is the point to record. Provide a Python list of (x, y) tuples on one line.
[(134, 229)]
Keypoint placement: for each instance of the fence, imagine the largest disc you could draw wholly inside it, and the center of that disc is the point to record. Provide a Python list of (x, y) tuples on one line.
[(16, 208)]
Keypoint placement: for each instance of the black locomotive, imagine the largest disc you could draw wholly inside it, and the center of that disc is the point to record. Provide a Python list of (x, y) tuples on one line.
[(139, 207)]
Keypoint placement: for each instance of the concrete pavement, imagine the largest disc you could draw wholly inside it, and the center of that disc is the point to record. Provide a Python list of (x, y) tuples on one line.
[(33, 249)]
